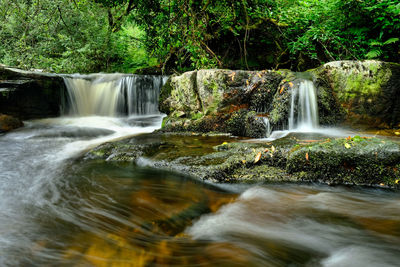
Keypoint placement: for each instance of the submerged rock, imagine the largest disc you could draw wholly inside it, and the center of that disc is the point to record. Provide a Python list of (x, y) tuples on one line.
[(8, 123)]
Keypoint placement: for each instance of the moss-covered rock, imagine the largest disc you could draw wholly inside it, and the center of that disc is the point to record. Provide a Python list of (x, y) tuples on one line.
[(367, 90), (221, 100), (218, 158), (209, 100), (369, 161), (329, 109), (212, 100)]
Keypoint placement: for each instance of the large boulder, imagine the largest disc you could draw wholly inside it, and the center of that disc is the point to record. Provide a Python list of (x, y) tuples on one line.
[(218, 100), (30, 95), (359, 92), (8, 123), (368, 90), (237, 101)]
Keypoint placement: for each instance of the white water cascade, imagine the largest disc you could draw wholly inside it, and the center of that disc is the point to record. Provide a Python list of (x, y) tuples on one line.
[(112, 94), (35, 159), (303, 111), (267, 126), (303, 114)]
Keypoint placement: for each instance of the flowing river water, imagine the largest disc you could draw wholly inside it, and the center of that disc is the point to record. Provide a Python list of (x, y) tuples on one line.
[(56, 209)]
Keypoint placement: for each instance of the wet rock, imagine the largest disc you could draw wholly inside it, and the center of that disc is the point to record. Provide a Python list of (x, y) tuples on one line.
[(73, 132), (222, 100), (368, 90), (245, 123), (121, 151), (295, 158), (8, 123), (365, 92), (212, 100), (30, 95), (357, 160)]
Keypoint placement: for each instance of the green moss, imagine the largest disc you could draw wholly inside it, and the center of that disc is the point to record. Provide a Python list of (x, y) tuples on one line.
[(196, 116), (354, 160), (164, 94)]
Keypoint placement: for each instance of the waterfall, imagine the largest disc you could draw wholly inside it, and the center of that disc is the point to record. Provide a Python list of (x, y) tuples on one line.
[(112, 94), (141, 100), (267, 126), (304, 105)]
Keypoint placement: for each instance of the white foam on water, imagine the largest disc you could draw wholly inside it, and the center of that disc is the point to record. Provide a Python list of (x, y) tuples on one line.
[(293, 218)]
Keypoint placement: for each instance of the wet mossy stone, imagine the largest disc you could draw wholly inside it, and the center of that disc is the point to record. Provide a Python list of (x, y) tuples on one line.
[(360, 161), (218, 158), (211, 100), (368, 90), (124, 151)]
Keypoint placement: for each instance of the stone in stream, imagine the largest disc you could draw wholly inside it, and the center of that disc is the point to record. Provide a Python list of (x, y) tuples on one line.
[(8, 123), (357, 160), (231, 101), (30, 95), (353, 161)]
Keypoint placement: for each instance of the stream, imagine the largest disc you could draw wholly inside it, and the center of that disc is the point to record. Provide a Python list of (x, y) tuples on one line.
[(59, 210), (56, 210)]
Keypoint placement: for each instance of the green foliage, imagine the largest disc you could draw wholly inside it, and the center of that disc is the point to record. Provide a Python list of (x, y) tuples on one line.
[(129, 51), (180, 35), (296, 34), (66, 36), (52, 35)]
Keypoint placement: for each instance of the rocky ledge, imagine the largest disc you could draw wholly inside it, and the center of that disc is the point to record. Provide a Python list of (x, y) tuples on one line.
[(30, 95), (295, 158), (236, 101)]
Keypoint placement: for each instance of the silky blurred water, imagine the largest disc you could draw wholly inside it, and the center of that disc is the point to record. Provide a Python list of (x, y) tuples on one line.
[(58, 210)]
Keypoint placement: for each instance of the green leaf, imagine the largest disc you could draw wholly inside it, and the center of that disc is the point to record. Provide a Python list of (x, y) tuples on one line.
[(375, 43), (373, 54), (391, 41)]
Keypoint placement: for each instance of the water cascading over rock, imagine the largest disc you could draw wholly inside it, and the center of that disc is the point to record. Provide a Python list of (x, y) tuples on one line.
[(302, 110), (303, 113), (112, 94)]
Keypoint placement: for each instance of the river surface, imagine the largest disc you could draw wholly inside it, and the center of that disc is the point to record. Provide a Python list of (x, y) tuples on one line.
[(58, 210)]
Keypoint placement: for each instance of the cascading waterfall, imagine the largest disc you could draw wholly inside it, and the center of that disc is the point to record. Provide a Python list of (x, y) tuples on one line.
[(303, 112), (304, 105), (93, 97), (113, 94), (141, 100), (267, 126)]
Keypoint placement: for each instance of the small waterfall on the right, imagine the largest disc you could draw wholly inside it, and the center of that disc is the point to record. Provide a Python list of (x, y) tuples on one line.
[(303, 115)]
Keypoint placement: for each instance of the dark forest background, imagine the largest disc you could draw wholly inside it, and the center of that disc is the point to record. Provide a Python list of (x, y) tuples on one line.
[(178, 35)]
